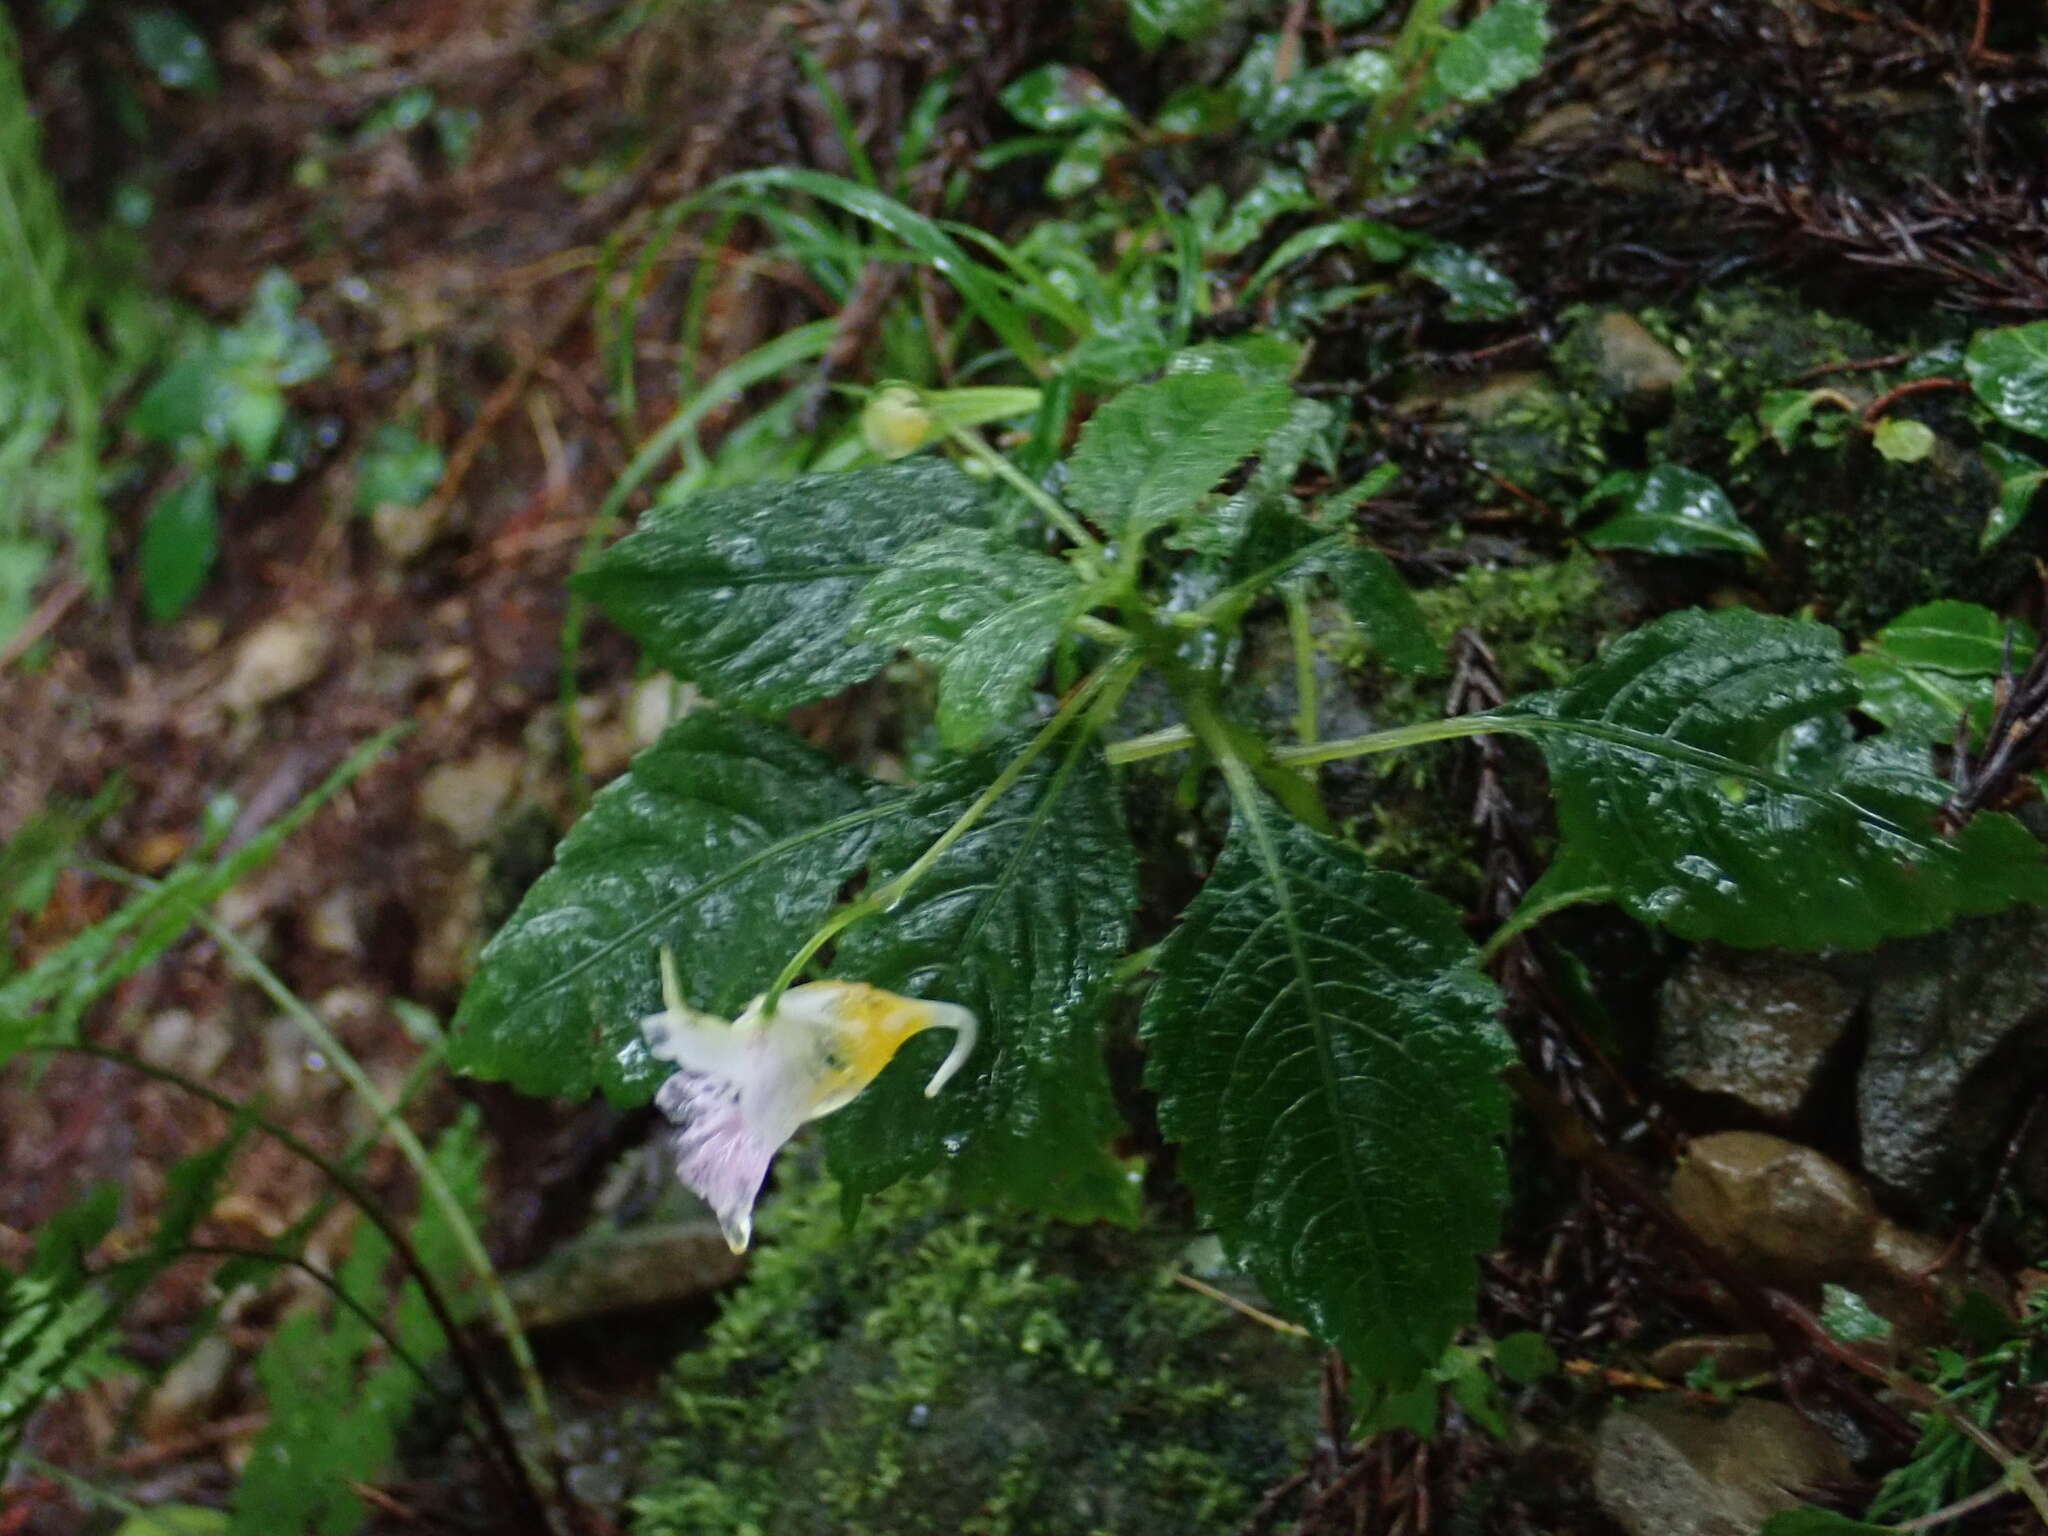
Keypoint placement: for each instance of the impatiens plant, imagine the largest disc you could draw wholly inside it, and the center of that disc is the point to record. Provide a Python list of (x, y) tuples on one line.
[(1320, 1034)]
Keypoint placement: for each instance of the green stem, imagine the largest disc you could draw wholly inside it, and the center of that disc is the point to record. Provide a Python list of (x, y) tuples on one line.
[(134, 1513), (1103, 630), (1307, 716), (1218, 608), (1114, 675), (435, 1187), (971, 443), (334, 1288)]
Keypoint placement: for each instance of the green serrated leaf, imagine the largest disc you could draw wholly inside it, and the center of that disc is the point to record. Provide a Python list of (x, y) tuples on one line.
[(1326, 1052), (2008, 370), (1477, 289), (1934, 666), (1023, 920), (1901, 440), (988, 676), (1496, 53), (1840, 851), (1851, 1319), (934, 592), (1148, 456), (180, 543), (727, 841), (1676, 511), (2019, 478), (985, 613), (750, 592), (1257, 359), (1381, 604)]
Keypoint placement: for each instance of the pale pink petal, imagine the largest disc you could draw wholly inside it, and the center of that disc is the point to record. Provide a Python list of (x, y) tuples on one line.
[(719, 1153)]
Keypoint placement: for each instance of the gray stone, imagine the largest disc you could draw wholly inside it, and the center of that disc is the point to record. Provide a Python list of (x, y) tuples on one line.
[(1631, 362), (1667, 1469), (609, 1271), (276, 659), (466, 798), (1958, 1042), (1756, 1026)]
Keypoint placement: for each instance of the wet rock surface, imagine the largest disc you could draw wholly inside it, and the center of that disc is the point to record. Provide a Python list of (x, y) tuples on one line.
[(1667, 1469), (1800, 1221), (1958, 1045), (1757, 1027)]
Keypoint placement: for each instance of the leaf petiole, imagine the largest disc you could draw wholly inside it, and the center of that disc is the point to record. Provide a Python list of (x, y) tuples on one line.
[(1106, 682), (972, 444)]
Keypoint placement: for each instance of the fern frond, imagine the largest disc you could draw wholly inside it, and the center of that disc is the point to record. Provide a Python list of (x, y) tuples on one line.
[(49, 368)]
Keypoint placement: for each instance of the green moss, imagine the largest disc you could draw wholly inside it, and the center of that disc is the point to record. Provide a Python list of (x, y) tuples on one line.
[(1548, 442), (1855, 536), (1542, 622), (930, 1372)]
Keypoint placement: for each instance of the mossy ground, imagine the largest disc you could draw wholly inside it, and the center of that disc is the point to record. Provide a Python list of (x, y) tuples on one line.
[(937, 1373)]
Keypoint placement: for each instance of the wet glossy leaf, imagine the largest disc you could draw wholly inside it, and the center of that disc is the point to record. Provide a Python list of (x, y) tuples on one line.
[(180, 542), (750, 592), (1148, 456), (1023, 920), (1256, 359), (1278, 101), (1280, 189), (1902, 440), (1850, 1319), (1057, 98), (1702, 764), (1381, 604), (1497, 52), (1327, 1055), (1785, 411), (1929, 668), (1197, 109), (1153, 21), (171, 49), (985, 613), (1477, 289), (1676, 511), (2019, 477), (1081, 163), (727, 841), (2008, 369)]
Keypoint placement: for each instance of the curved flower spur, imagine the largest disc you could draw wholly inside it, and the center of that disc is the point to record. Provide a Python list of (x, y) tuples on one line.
[(742, 1089)]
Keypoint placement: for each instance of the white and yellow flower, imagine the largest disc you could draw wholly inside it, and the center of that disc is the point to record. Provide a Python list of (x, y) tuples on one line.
[(742, 1089)]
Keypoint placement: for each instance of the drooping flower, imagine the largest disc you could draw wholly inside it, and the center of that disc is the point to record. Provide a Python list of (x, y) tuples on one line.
[(742, 1089)]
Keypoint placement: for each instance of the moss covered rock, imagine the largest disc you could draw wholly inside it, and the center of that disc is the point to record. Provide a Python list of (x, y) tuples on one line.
[(936, 1372)]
